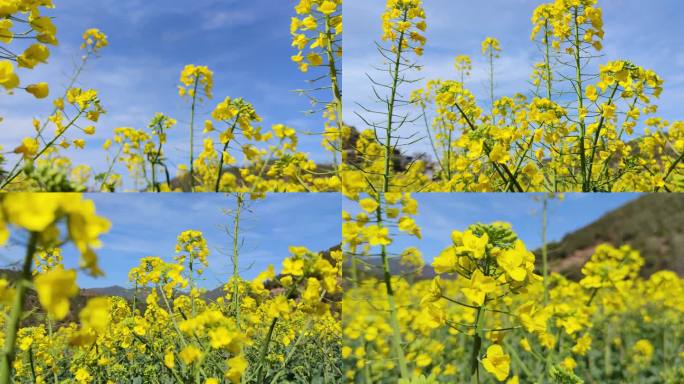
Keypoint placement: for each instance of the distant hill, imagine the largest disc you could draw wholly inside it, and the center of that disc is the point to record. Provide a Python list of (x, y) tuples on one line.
[(114, 290), (652, 224)]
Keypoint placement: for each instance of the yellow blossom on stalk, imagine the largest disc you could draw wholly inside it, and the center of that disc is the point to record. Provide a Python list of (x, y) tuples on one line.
[(8, 78), (192, 246), (582, 346), (82, 376), (480, 286), (407, 224), (369, 205), (525, 344), (497, 362), (95, 315), (279, 308), (311, 295), (190, 355), (446, 262), (643, 351), (192, 77), (435, 292), (403, 23), (236, 368), (569, 363), (377, 235), (499, 154), (474, 244), (6, 292), (222, 337), (28, 148), (463, 64), (513, 261), (327, 7), (490, 44), (33, 212), (33, 55), (533, 318), (294, 267), (591, 93), (282, 131), (55, 288), (40, 90), (94, 39)]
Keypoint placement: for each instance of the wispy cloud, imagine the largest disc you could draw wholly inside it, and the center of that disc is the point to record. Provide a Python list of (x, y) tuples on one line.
[(217, 20)]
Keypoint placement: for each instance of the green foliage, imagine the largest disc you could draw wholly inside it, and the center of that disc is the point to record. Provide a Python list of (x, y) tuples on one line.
[(563, 376)]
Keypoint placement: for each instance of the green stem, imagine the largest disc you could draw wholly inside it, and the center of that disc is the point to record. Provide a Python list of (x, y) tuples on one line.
[(445, 169), (545, 261), (336, 91), (672, 168), (264, 351), (491, 81), (580, 102), (160, 358), (547, 60), (156, 161), (608, 368), (111, 167), (390, 108), (367, 376), (354, 271), (14, 318), (477, 345), (520, 362), (598, 134), (192, 134), (506, 175), (394, 320), (54, 369), (225, 148), (32, 364), (236, 272)]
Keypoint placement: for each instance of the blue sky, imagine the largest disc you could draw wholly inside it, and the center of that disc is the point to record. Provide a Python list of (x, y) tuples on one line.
[(245, 43), (441, 213), (650, 36), (148, 224)]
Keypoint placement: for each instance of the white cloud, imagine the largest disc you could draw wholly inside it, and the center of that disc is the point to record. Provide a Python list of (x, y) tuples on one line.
[(215, 20)]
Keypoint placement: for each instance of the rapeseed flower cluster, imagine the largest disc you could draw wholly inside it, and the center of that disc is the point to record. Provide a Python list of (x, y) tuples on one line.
[(572, 131), (273, 328)]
